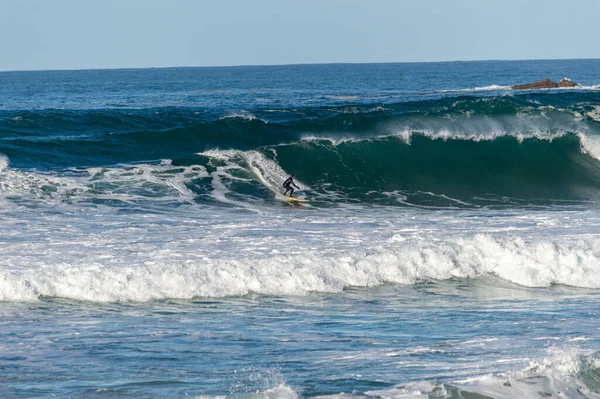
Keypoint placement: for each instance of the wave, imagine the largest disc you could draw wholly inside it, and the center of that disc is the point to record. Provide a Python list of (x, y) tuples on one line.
[(420, 169), (509, 88), (461, 167), (527, 262), (446, 152), (68, 138), (563, 373)]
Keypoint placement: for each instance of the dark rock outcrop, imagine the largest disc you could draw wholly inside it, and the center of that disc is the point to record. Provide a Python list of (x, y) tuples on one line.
[(568, 83), (546, 84)]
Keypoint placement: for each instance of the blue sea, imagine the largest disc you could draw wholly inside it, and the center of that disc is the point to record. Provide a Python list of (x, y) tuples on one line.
[(449, 246)]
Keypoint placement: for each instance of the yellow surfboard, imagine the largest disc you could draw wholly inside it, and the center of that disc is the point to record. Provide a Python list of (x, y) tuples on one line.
[(294, 199)]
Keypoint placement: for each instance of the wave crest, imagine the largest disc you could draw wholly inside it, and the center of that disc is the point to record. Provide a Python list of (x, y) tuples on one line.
[(531, 263)]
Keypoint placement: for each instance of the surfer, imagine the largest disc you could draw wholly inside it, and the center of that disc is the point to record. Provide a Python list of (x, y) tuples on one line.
[(288, 185)]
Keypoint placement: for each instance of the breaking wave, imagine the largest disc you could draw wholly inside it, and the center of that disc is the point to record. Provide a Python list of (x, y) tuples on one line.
[(460, 151), (564, 373), (527, 262), (408, 169)]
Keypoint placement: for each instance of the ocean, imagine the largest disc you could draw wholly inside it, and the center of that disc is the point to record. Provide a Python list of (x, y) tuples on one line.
[(449, 248)]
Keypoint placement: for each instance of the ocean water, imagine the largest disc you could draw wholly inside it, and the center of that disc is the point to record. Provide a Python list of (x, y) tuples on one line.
[(449, 248)]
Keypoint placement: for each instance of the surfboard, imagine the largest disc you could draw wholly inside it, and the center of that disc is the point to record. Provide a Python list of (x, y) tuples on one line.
[(294, 199)]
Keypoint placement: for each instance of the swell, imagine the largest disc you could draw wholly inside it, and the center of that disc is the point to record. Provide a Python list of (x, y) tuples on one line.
[(409, 169), (67, 138), (457, 151)]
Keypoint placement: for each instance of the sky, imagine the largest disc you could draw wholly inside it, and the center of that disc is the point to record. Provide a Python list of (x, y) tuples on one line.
[(90, 34)]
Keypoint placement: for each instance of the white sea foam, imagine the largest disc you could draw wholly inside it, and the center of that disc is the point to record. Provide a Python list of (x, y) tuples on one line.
[(157, 272), (406, 135), (582, 87), (127, 183), (445, 134), (3, 166), (281, 391), (481, 88), (343, 98), (590, 145), (268, 172), (594, 114), (495, 87), (223, 175), (242, 114), (3, 162), (146, 183), (557, 375), (541, 121), (265, 170), (477, 130)]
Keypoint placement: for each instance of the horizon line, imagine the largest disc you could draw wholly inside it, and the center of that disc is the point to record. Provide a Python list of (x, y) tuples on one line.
[(292, 64)]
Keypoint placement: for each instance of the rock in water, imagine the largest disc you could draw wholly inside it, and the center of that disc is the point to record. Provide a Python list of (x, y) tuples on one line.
[(542, 84), (546, 84)]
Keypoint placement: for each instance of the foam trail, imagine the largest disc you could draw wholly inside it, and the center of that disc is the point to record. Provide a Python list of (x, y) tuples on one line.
[(220, 189), (270, 174)]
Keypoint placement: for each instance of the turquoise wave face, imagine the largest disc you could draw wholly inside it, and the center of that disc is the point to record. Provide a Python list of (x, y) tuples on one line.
[(415, 170), (460, 168)]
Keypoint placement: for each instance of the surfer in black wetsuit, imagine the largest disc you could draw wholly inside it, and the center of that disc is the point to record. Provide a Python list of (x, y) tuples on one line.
[(288, 185)]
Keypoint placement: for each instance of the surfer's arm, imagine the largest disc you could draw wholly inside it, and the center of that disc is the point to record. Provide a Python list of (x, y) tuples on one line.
[(296, 186)]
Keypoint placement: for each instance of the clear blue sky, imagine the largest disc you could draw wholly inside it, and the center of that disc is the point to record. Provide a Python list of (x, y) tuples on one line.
[(80, 34)]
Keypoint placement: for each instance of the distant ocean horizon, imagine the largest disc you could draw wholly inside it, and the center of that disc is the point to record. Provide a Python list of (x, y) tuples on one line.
[(449, 245), (292, 64)]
